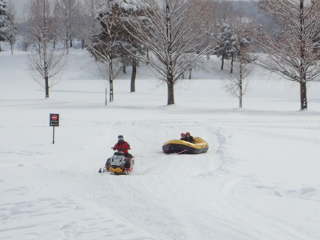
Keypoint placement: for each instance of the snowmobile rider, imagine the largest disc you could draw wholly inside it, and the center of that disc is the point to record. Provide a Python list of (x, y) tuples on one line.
[(187, 137), (122, 146)]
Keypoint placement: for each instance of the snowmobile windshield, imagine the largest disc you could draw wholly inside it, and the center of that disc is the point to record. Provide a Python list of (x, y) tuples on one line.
[(119, 153)]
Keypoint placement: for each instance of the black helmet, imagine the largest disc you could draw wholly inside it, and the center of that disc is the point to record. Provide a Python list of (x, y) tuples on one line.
[(120, 137)]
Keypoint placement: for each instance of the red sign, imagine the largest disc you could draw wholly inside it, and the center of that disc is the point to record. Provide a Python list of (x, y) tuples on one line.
[(54, 120)]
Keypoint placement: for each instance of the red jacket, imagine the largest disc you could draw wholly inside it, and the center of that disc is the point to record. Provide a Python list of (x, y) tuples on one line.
[(122, 146)]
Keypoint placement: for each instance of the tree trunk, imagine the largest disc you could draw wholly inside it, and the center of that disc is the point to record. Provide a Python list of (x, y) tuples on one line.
[(12, 47), (133, 75), (148, 57), (46, 80), (45, 53), (83, 43), (231, 67), (222, 62), (303, 74), (67, 46), (240, 84), (106, 97), (124, 68), (303, 96), (45, 69), (170, 83), (111, 81), (190, 73), (170, 92)]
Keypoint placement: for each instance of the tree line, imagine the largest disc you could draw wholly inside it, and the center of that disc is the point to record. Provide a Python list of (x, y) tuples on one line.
[(172, 36)]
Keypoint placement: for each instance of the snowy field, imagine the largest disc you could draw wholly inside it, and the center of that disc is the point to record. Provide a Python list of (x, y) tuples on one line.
[(259, 180)]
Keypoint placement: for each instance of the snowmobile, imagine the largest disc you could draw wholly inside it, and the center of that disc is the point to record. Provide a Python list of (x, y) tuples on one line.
[(118, 164)]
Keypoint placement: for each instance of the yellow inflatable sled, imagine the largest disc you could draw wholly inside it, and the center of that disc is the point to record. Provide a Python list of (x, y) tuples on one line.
[(183, 147)]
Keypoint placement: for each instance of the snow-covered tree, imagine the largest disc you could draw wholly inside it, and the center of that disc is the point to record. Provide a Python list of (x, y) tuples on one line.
[(168, 36), (112, 43), (293, 51), (12, 28), (104, 45), (46, 61), (131, 49), (4, 21), (226, 44)]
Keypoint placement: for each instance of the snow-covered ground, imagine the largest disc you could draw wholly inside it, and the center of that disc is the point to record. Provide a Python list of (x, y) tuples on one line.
[(259, 180)]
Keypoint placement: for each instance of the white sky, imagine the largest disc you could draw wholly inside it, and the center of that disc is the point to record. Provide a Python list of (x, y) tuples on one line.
[(20, 6)]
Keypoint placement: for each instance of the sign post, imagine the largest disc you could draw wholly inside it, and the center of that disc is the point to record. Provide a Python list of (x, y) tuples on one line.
[(54, 122)]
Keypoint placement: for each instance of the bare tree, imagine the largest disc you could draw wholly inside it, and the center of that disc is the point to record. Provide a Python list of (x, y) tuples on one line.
[(44, 59), (238, 83), (207, 21), (293, 51), (68, 12), (168, 36)]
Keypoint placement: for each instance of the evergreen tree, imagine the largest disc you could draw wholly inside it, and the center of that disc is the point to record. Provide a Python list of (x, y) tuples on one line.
[(113, 42), (12, 28), (105, 44), (4, 21), (130, 49), (226, 44)]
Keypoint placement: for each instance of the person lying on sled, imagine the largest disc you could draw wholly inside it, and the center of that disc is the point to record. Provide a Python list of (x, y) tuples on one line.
[(187, 137), (183, 136)]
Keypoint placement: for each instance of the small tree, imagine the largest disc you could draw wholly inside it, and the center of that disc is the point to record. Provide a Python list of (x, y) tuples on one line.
[(44, 59), (238, 83), (293, 51)]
